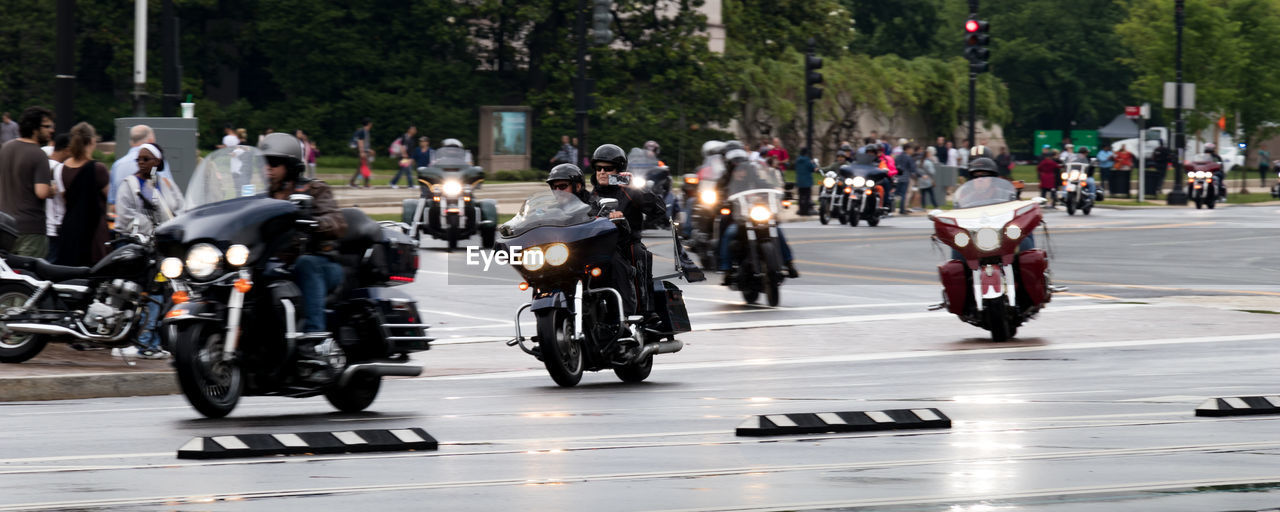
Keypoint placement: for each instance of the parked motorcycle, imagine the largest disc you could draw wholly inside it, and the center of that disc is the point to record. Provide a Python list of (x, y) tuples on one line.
[(648, 174), (754, 200), (564, 253), (866, 194), (446, 209), (1074, 189), (233, 329), (998, 282)]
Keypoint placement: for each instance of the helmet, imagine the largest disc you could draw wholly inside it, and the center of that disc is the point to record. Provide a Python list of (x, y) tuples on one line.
[(981, 167), (730, 146), (872, 147), (567, 172), (652, 146), (1083, 149), (452, 143), (711, 147), (736, 156), (285, 147), (611, 154), (1210, 146)]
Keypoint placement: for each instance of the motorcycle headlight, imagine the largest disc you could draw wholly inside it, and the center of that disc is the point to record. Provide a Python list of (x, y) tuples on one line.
[(202, 260), (1191, 175), (708, 197), (760, 213), (962, 239), (237, 255), (828, 182), (987, 239), (533, 259), (848, 181), (1075, 175), (1013, 231), (452, 188), (1064, 175), (859, 181), (171, 268), (557, 254)]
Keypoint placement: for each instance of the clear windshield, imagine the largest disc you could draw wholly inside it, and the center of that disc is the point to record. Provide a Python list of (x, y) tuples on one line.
[(640, 160), (712, 168), (547, 208), (227, 173), (985, 191), (449, 157), (752, 176)]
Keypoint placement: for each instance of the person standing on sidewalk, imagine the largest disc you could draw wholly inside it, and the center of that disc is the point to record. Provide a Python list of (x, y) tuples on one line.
[(362, 142), (8, 128), (24, 181), (805, 169)]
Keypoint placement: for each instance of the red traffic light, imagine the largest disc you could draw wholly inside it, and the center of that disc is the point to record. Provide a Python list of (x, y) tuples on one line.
[(971, 26)]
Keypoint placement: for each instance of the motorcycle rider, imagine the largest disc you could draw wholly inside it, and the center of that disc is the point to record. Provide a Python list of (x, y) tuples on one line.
[(1082, 157), (568, 178), (1219, 175), (986, 168), (314, 271), (455, 143), (734, 158)]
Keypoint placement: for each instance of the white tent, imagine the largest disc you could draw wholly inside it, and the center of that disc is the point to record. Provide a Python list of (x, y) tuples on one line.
[(1119, 128)]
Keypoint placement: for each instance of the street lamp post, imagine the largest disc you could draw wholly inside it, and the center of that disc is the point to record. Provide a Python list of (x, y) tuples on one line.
[(1177, 196)]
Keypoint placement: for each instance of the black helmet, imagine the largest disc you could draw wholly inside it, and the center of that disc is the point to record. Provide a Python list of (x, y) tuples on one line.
[(281, 146), (565, 172), (982, 167), (609, 153)]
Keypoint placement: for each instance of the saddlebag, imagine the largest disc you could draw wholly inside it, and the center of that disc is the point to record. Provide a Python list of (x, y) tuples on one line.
[(8, 232), (952, 275), (1032, 265), (668, 302), (393, 259)]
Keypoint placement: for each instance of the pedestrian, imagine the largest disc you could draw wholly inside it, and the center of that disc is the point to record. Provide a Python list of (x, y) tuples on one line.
[(953, 155), (805, 168), (24, 181), (422, 154), (309, 150), (567, 154), (399, 152), (1264, 165), (962, 159), (1004, 163), (906, 166), (1048, 169), (361, 141), (83, 235), (242, 135), (127, 165), (1162, 158), (229, 137), (928, 171), (1106, 163), (265, 133), (940, 149), (147, 184), (55, 207), (779, 154), (1123, 162), (8, 128)]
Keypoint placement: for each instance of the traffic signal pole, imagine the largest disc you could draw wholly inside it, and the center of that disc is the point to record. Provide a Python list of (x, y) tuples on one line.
[(1177, 196), (580, 82), (976, 52), (812, 63)]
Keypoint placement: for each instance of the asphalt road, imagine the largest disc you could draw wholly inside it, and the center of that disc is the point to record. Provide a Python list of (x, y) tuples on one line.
[(1091, 408)]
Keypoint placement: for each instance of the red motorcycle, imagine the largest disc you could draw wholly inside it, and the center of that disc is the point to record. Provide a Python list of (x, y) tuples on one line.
[(996, 278)]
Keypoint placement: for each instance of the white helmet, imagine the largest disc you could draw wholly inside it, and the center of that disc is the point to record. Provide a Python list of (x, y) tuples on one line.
[(452, 143), (736, 155), (711, 147)]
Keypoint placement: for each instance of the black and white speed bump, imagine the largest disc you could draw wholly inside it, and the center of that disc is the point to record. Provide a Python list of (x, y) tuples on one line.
[(349, 441), (853, 421), (1239, 406)]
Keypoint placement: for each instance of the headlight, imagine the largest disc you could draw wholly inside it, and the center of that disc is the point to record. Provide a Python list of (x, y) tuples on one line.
[(171, 268), (557, 254), (533, 259), (760, 213), (202, 260), (237, 255), (859, 181), (1013, 231), (1064, 175), (987, 239), (1191, 175), (848, 181), (1075, 175), (962, 239), (828, 182), (452, 188), (708, 197)]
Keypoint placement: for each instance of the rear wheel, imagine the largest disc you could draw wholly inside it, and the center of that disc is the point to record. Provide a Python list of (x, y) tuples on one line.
[(17, 347), (636, 371), (210, 382), (560, 353), (357, 395), (996, 319)]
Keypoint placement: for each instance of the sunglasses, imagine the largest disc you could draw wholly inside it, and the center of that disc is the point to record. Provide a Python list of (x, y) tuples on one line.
[(560, 186), (605, 168), (275, 161)]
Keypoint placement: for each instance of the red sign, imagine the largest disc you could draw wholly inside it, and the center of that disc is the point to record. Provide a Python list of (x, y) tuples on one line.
[(1133, 112)]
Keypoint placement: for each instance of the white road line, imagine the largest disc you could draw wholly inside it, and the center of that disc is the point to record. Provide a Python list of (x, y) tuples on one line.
[(460, 315)]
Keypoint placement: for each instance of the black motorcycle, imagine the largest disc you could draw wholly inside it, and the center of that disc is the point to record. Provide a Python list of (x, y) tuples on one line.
[(1073, 194), (833, 196), (866, 194), (754, 199), (565, 252), (648, 174), (446, 208), (233, 329)]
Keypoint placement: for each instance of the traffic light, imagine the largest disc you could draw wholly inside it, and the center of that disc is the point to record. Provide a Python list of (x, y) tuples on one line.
[(601, 17), (812, 63), (975, 44)]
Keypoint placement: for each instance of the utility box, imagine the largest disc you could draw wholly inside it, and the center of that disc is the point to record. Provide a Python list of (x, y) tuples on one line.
[(176, 137)]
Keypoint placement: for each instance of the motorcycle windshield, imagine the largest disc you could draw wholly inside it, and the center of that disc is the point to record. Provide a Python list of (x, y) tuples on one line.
[(985, 191), (467, 175), (639, 161), (548, 208), (712, 168), (228, 173), (866, 171), (450, 157), (751, 176)]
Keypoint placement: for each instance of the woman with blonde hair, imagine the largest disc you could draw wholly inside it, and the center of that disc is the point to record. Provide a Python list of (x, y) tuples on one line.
[(83, 235)]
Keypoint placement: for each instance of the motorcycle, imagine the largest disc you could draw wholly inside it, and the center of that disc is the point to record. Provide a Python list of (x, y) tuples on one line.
[(446, 208), (702, 204), (564, 252), (99, 306), (1073, 192), (866, 194), (996, 283), (233, 328), (1275, 189), (753, 202), (833, 196), (650, 175), (1203, 182)]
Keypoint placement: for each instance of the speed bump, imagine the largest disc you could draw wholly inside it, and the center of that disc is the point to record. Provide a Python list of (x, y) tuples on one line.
[(348, 441), (853, 421), (1239, 406)]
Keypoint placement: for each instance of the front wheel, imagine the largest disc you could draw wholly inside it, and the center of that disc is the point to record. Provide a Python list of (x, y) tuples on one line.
[(1071, 206), (453, 239), (824, 211), (17, 347), (997, 320), (211, 382), (560, 353), (636, 371), (1199, 203), (357, 395), (487, 237)]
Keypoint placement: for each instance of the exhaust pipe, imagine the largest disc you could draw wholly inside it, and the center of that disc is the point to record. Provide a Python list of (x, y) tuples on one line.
[(58, 330), (662, 347), (381, 369)]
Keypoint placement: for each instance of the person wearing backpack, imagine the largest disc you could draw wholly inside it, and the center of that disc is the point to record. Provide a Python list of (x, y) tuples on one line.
[(361, 141), (399, 152)]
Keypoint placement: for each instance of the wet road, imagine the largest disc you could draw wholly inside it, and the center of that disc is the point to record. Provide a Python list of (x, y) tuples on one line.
[(1091, 408)]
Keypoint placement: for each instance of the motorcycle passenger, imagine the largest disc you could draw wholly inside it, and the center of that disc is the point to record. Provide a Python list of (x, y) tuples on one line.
[(733, 159), (873, 155), (981, 168), (314, 271)]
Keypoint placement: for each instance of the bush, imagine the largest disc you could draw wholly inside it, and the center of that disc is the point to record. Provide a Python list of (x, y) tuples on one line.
[(525, 175)]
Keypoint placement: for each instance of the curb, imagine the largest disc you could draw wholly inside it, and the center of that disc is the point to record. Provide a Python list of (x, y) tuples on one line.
[(852, 421), (1239, 406), (307, 443), (90, 385)]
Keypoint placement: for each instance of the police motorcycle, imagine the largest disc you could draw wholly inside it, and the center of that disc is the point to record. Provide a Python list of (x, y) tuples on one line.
[(234, 325), (754, 198), (650, 175), (999, 281), (99, 306), (1074, 192), (866, 191), (1202, 174), (446, 209), (565, 252)]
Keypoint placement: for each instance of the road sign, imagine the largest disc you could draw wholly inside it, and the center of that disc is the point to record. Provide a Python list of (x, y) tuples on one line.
[(1188, 95), (1133, 112)]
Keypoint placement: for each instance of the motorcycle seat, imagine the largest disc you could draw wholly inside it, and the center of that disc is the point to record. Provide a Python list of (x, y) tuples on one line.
[(46, 270)]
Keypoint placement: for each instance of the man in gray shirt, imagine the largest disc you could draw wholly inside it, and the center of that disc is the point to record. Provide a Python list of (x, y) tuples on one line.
[(24, 181), (8, 128)]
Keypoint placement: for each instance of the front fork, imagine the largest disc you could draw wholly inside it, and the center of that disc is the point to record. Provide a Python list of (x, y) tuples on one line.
[(992, 281), (234, 306)]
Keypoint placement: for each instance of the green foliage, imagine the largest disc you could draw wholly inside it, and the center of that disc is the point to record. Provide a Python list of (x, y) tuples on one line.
[(525, 175)]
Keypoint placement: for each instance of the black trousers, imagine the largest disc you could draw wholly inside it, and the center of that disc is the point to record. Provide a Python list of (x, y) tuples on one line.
[(804, 194)]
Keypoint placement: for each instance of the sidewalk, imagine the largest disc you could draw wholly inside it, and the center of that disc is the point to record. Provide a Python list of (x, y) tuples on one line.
[(61, 373)]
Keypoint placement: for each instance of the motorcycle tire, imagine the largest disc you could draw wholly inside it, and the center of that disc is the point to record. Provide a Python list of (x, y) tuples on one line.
[(357, 395), (487, 237), (824, 211), (636, 371), (560, 353), (1199, 203), (212, 387), (996, 320), (1071, 207), (747, 284), (873, 220), (773, 278), (14, 347), (1086, 208), (1210, 202), (854, 218)]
